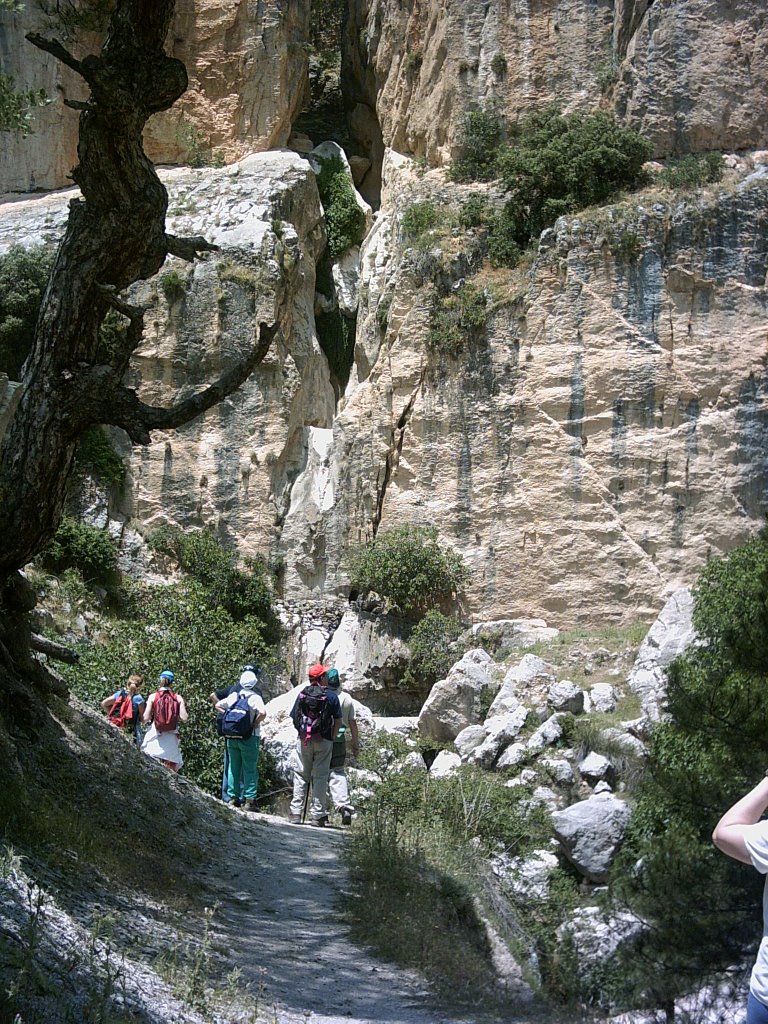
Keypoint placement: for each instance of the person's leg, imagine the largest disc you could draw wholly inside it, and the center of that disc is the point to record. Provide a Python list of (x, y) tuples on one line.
[(235, 770), (250, 755), (225, 776), (321, 766), (301, 776), (757, 1012)]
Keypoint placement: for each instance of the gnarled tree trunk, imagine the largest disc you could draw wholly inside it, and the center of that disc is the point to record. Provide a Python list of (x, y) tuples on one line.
[(115, 236)]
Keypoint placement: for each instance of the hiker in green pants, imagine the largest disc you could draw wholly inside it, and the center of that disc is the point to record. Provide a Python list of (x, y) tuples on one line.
[(243, 712)]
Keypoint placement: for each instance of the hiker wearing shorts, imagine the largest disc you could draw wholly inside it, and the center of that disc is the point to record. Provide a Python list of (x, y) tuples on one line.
[(337, 782), (163, 743), (243, 752), (316, 715), (131, 689)]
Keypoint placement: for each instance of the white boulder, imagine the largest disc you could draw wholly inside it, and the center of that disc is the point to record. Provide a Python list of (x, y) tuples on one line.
[(603, 697), (445, 764), (671, 635), (566, 696), (590, 833), (455, 702)]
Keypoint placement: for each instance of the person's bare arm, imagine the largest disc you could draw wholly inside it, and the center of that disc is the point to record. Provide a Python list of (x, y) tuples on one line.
[(183, 715), (107, 704), (214, 700), (147, 716), (354, 733), (729, 832)]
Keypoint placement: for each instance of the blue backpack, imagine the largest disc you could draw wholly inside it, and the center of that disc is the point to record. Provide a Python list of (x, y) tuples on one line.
[(237, 722)]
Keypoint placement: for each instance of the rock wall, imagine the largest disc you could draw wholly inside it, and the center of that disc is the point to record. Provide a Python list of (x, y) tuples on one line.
[(604, 437), (247, 66), (418, 68)]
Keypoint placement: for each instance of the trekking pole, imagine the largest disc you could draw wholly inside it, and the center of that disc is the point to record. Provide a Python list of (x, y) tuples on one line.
[(306, 801)]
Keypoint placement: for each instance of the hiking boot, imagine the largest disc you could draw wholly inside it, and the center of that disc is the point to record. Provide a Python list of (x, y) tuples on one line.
[(295, 819), (236, 802), (346, 816), (318, 822), (251, 805)]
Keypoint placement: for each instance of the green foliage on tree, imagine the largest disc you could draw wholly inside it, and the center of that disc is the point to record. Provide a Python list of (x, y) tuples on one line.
[(456, 319), (703, 908), (480, 138), (79, 546), (17, 106), (693, 171), (96, 455), (434, 648), (23, 277), (336, 334), (243, 593), (344, 219), (186, 629), (408, 566), (555, 164), (420, 219)]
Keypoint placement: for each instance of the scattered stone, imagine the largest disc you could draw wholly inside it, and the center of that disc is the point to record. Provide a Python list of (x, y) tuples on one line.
[(525, 878), (566, 696), (512, 756), (595, 768), (547, 734), (603, 697), (455, 702), (603, 787), (590, 833), (501, 730), (596, 936), (445, 764), (559, 769), (468, 739)]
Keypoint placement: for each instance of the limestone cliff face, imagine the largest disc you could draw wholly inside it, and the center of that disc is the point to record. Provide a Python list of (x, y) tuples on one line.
[(688, 75), (247, 66), (605, 435)]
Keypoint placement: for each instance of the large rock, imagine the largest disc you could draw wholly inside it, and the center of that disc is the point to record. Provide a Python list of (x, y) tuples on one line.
[(456, 702), (670, 636), (369, 654), (508, 634), (596, 936), (590, 833), (247, 66), (529, 680), (500, 731), (525, 878)]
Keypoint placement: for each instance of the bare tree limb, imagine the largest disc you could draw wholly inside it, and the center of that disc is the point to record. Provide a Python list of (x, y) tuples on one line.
[(55, 48), (53, 650), (188, 248)]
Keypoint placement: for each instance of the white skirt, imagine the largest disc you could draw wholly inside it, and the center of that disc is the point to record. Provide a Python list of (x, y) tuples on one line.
[(162, 745)]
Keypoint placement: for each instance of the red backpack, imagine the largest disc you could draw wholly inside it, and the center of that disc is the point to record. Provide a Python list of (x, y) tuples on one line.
[(121, 712), (165, 711)]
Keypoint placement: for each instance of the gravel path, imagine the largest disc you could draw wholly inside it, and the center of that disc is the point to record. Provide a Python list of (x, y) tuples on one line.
[(278, 908)]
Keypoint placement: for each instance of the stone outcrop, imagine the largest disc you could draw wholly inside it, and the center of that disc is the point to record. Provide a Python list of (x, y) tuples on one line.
[(247, 65), (590, 833), (670, 636), (455, 702), (415, 72)]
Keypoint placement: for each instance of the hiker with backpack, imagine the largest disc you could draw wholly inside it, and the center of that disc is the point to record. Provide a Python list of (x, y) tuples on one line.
[(337, 781), (218, 695), (165, 710), (125, 708), (242, 713), (316, 714)]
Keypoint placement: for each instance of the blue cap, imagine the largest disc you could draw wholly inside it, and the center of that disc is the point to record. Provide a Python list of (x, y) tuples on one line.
[(167, 675)]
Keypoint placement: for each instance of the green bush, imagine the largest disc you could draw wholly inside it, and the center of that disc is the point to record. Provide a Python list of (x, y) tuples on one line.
[(420, 844), (475, 211), (408, 566), (344, 219), (96, 455), (499, 65), (173, 286), (710, 751), (80, 546), (181, 628), (557, 164), (382, 311), (434, 648), (244, 593), (23, 276), (629, 246), (419, 219), (691, 171), (480, 137), (503, 248), (456, 319)]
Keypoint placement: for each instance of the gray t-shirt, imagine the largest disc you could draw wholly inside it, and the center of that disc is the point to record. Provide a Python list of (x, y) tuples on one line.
[(756, 842)]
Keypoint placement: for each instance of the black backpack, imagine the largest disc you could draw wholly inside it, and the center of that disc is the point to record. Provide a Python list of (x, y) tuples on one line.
[(312, 714), (237, 722)]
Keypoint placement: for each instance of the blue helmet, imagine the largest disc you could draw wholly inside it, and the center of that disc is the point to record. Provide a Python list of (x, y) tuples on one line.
[(167, 675)]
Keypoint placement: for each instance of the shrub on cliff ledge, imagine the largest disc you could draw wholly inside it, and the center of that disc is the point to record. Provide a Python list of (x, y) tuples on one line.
[(409, 567), (344, 219), (557, 164)]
